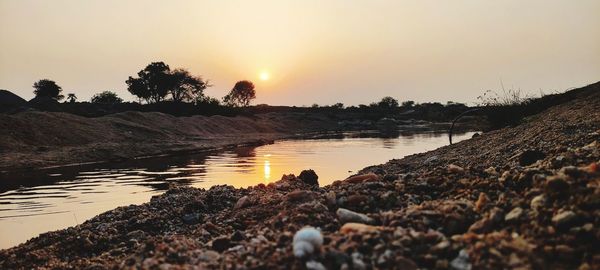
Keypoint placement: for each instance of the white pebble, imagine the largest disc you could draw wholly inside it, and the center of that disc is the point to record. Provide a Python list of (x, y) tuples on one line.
[(306, 241)]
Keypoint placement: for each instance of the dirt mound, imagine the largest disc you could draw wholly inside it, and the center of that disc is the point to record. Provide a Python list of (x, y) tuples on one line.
[(10, 101), (472, 205)]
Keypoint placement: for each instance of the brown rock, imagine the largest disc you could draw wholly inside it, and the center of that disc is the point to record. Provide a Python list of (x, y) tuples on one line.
[(299, 195), (243, 202), (481, 202), (362, 178), (358, 228)]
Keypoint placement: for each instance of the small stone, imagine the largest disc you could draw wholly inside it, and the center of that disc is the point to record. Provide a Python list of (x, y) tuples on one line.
[(491, 171), (345, 216), (557, 184), (564, 219), (221, 244), (362, 178), (243, 202), (237, 236), (591, 146), (298, 195), (209, 256), (514, 214), (481, 202), (405, 263), (356, 199), (309, 177), (148, 263), (357, 227), (314, 265), (307, 241), (330, 198), (431, 159), (530, 156), (461, 262), (455, 169), (191, 218), (538, 202)]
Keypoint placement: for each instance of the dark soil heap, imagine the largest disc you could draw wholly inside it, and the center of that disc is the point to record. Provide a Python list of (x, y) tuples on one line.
[(526, 197)]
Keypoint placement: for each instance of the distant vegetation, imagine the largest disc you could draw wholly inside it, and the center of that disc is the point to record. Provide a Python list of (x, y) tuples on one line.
[(47, 89), (106, 97), (155, 82), (178, 92), (240, 96)]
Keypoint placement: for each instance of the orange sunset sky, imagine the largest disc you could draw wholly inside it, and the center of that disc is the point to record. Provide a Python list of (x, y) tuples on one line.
[(305, 52)]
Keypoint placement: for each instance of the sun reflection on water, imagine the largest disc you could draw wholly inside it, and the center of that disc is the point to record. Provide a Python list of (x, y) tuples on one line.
[(267, 169)]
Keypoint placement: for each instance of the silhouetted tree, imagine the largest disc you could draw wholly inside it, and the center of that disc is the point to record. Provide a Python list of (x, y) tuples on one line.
[(240, 96), (388, 103), (153, 82), (71, 98), (338, 105), (206, 100), (106, 97), (47, 88), (408, 104), (186, 87)]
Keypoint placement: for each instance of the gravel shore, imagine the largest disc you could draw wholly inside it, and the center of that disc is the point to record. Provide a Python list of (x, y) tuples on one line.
[(526, 197)]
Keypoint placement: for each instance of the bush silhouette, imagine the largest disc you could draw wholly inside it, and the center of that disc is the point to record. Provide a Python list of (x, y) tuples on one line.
[(106, 97), (71, 98), (47, 88), (388, 103), (241, 95)]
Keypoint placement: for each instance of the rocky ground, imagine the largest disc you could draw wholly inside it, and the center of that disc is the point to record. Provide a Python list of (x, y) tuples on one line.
[(526, 197)]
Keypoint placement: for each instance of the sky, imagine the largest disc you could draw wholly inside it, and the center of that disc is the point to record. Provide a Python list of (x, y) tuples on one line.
[(312, 51)]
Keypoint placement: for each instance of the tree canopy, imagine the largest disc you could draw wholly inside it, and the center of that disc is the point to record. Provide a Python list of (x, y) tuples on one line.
[(388, 103), (153, 82), (186, 87), (106, 97), (47, 88), (241, 95)]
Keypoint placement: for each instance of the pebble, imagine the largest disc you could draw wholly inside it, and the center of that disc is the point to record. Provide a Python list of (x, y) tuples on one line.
[(357, 227), (191, 218), (529, 157), (481, 202), (309, 177), (461, 262), (346, 216), (243, 202), (538, 202), (362, 178), (314, 265), (307, 241), (564, 219), (455, 169), (514, 214), (298, 195), (221, 244), (557, 184)]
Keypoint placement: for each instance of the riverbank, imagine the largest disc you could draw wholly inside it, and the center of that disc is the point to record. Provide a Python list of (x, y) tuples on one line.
[(35, 140), (523, 197)]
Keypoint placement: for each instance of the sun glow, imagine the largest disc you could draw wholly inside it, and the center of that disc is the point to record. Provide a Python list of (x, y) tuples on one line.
[(264, 75)]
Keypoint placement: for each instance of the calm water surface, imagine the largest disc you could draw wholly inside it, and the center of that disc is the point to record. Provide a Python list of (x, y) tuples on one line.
[(55, 199)]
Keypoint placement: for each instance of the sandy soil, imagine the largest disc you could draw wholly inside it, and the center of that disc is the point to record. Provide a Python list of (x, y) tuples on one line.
[(39, 139)]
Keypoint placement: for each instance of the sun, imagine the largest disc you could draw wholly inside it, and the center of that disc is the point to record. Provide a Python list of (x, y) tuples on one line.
[(264, 75)]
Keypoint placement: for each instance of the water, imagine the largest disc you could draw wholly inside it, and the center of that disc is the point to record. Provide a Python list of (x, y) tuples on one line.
[(54, 199)]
